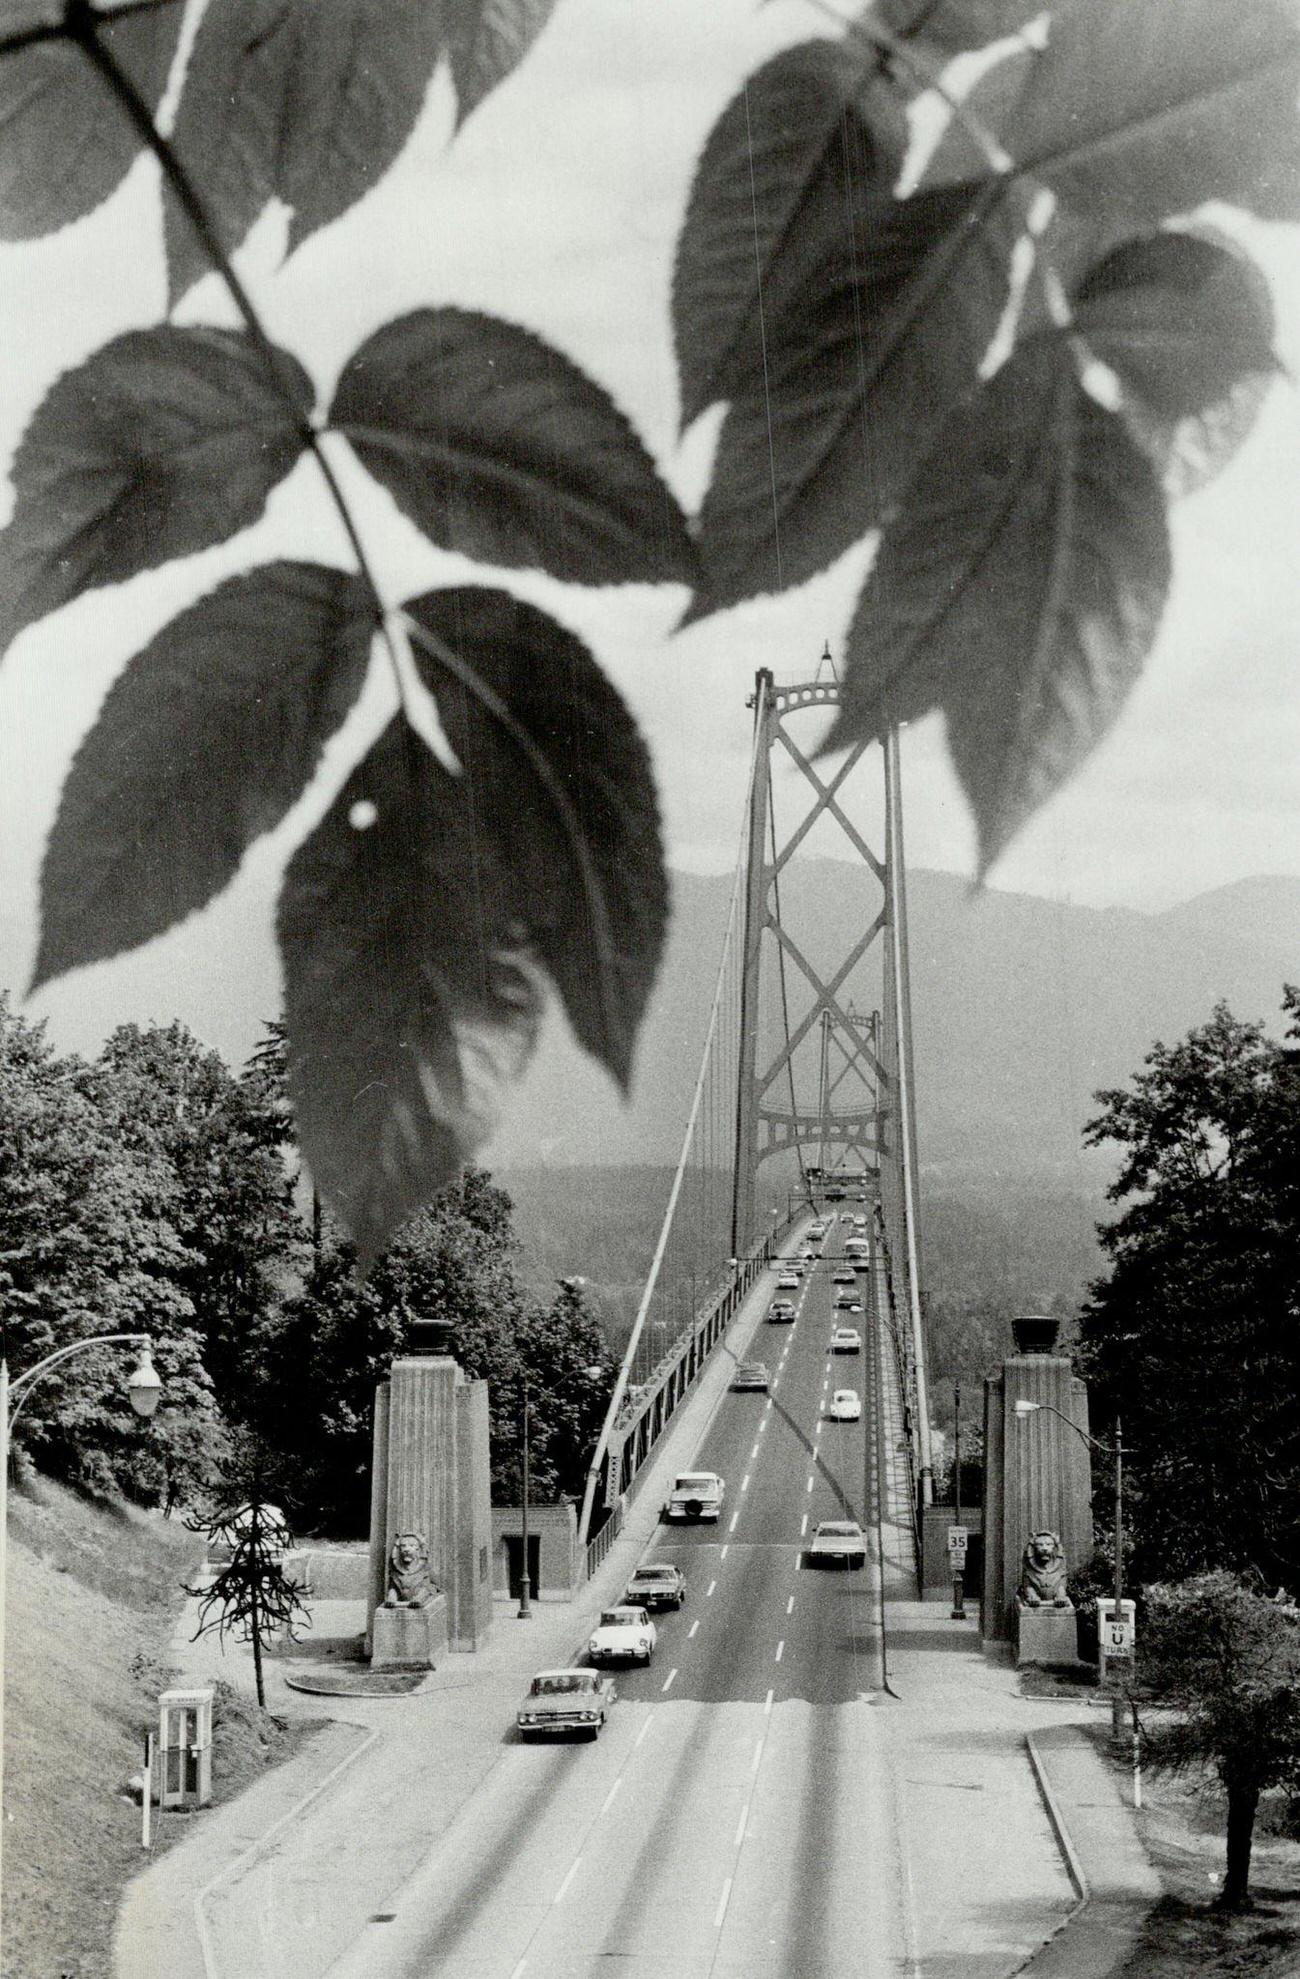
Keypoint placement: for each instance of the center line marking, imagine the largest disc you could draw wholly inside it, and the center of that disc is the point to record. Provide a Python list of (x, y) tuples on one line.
[(559, 1894), (780, 1651), (694, 1625), (722, 1905), (609, 1797), (668, 1679), (709, 1589)]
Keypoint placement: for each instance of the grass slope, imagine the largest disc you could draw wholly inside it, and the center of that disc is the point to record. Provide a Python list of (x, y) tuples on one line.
[(93, 1590)]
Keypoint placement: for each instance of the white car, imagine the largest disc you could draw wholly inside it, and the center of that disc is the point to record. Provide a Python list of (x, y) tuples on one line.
[(788, 1281), (845, 1278), (623, 1635), (846, 1303), (839, 1540), (846, 1340), (845, 1405), (781, 1312), (696, 1495)]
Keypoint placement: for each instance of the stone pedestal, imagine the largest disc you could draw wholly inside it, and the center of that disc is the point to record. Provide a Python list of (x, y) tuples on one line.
[(1046, 1635), (409, 1638)]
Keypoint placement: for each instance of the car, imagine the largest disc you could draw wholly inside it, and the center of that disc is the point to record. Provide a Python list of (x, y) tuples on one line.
[(859, 1223), (846, 1340), (839, 1540), (623, 1635), (845, 1405), (807, 1255), (845, 1278), (846, 1216), (660, 1585), (751, 1375), (696, 1495), (845, 1304), (781, 1312), (565, 1701), (788, 1282)]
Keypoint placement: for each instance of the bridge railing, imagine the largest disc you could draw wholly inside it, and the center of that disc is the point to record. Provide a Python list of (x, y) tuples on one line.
[(649, 1410)]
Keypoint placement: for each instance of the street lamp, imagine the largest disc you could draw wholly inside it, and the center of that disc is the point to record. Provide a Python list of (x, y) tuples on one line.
[(144, 1390), (1022, 1409)]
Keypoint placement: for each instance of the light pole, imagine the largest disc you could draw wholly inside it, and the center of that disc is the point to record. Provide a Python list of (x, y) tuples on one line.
[(1022, 1409), (144, 1389)]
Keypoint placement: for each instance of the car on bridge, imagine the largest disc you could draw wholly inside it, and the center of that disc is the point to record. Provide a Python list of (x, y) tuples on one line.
[(565, 1701), (845, 1278), (781, 1311), (696, 1495), (751, 1375), (623, 1635), (839, 1542), (846, 1340), (845, 1405), (660, 1585), (788, 1281), (845, 1304)]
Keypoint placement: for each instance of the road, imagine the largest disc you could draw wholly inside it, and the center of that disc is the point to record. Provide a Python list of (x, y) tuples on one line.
[(735, 1816)]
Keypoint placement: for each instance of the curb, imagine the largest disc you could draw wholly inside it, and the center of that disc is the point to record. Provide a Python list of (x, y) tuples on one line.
[(1073, 1866)]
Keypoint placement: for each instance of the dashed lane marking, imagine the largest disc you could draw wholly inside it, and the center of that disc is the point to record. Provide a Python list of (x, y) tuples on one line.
[(723, 1901), (744, 1485), (644, 1729), (767, 1707), (780, 1651), (803, 1533), (810, 1483), (789, 1606), (694, 1625), (735, 1515), (573, 1870), (668, 1680), (723, 1554), (612, 1795), (520, 1969), (741, 1825), (709, 1589), (757, 1760)]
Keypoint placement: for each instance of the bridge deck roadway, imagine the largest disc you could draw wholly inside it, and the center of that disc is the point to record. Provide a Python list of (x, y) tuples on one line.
[(752, 1808)]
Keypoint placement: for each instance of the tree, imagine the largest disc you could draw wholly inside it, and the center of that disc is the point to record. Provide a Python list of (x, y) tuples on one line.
[(251, 1595), (1194, 1336), (884, 370), (1226, 1660)]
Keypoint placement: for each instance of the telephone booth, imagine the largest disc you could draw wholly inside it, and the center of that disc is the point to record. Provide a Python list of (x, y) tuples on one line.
[(185, 1748)]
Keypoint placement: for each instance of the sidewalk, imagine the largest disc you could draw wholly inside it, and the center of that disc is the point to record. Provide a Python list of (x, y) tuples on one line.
[(242, 1896)]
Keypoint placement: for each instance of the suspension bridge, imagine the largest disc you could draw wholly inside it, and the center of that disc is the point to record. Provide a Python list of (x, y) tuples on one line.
[(803, 1100)]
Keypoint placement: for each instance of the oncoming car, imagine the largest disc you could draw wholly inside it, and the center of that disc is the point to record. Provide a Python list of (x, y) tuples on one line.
[(846, 1340), (565, 1701), (750, 1375), (845, 1405), (839, 1541), (658, 1586), (623, 1635)]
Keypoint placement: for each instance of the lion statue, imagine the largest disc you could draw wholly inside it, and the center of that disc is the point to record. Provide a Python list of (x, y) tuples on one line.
[(1042, 1573), (409, 1581)]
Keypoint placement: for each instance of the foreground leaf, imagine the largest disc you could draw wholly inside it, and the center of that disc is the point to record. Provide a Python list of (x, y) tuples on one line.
[(806, 467), (488, 40), (560, 781), (1020, 589), (496, 445), (308, 100), (1186, 323), (769, 207), (164, 442), (65, 143), (950, 26), (1150, 110), (202, 745)]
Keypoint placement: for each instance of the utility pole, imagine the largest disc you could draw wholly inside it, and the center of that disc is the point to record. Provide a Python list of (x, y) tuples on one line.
[(959, 1559)]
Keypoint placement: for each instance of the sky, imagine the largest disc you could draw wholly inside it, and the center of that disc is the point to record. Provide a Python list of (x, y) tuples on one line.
[(557, 206)]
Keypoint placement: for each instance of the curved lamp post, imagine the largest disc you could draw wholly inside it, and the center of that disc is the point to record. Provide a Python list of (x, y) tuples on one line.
[(1022, 1410), (145, 1391)]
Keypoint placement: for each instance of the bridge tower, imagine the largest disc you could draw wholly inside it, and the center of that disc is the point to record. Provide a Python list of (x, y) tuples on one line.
[(825, 1055)]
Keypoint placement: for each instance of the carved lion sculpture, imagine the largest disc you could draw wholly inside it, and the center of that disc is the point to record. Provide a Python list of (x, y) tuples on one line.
[(1042, 1573), (409, 1581)]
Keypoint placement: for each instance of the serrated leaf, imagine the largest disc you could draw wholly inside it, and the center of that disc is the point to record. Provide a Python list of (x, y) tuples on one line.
[(409, 1000), (307, 100), (1020, 589), (202, 745), (806, 467), (66, 144), (164, 442), (1186, 323), (1150, 110), (561, 783), (769, 208), (488, 40), (496, 445)]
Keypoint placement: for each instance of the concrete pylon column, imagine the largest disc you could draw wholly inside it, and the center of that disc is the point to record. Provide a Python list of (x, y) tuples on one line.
[(1037, 1469)]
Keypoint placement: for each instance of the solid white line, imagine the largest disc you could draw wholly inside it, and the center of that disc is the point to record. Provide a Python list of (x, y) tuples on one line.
[(767, 1708), (644, 1729), (740, 1826), (559, 1894), (789, 1606), (722, 1905), (780, 1650), (804, 1526), (668, 1679), (609, 1797), (691, 1630), (709, 1589)]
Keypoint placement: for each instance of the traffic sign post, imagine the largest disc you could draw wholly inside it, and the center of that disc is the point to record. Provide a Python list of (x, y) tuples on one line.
[(1116, 1638), (957, 1537)]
